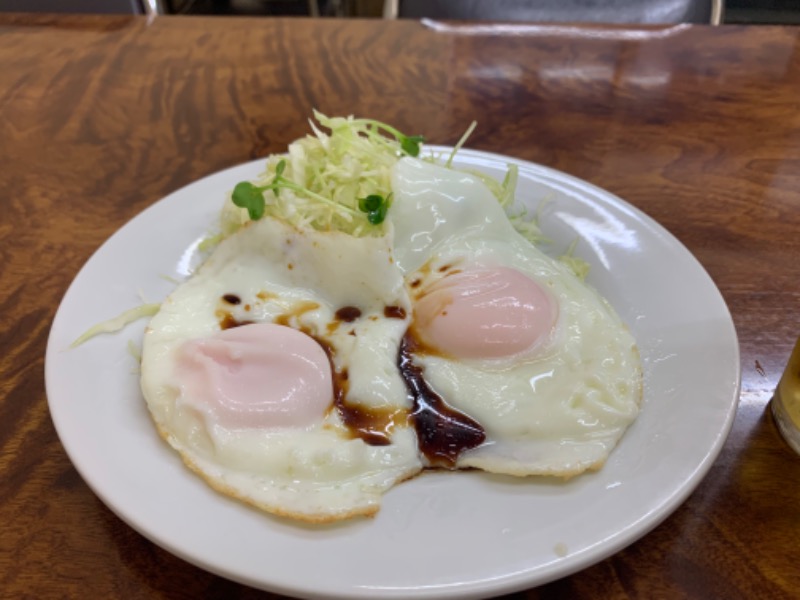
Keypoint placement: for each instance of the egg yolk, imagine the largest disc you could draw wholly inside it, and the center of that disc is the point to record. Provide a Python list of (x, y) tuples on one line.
[(484, 313), (260, 375)]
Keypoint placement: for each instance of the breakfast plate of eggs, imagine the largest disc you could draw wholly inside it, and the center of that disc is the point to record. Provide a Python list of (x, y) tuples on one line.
[(437, 372)]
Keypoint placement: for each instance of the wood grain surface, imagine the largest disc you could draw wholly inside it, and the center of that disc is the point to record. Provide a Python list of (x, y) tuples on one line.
[(699, 127)]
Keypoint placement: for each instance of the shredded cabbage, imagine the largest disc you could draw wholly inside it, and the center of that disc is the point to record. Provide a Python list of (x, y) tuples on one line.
[(135, 351), (505, 192), (460, 143), (577, 265), (118, 322), (353, 161)]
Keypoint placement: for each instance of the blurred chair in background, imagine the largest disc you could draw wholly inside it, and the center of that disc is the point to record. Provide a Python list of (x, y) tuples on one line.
[(562, 11), (249, 7), (161, 6), (137, 7)]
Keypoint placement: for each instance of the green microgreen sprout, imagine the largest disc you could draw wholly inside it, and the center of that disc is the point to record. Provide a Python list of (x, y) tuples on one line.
[(376, 207), (409, 143), (250, 196)]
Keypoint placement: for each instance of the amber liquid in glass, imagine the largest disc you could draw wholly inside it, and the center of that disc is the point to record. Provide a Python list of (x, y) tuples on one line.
[(786, 401)]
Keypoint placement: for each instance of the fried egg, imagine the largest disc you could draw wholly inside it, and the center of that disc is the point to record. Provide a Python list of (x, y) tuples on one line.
[(272, 371), (505, 335)]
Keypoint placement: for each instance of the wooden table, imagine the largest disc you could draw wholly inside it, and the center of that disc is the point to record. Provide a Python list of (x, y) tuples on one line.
[(697, 126)]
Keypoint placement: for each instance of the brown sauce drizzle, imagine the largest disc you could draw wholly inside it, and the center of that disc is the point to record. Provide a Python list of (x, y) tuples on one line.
[(443, 432), (297, 311), (371, 424), (348, 314), (228, 321), (232, 299), (394, 312)]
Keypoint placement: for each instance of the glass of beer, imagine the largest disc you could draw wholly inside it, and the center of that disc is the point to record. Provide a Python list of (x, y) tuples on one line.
[(786, 401)]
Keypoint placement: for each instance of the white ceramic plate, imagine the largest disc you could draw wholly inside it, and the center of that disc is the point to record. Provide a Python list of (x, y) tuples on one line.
[(441, 535)]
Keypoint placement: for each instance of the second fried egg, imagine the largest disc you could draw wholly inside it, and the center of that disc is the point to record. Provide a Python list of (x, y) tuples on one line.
[(506, 334)]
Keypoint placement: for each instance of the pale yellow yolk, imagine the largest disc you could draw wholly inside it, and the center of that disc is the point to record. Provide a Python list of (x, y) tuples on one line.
[(260, 375), (484, 313)]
